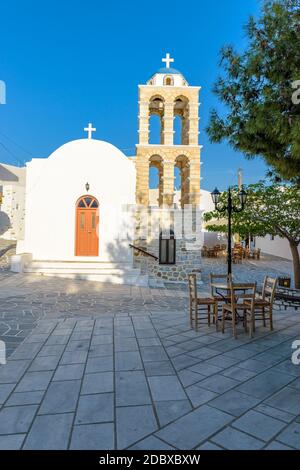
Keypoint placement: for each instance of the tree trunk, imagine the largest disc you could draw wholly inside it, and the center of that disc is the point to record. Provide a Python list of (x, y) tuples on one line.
[(296, 262)]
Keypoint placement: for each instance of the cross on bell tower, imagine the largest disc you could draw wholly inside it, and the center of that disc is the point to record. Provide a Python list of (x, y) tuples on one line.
[(167, 60)]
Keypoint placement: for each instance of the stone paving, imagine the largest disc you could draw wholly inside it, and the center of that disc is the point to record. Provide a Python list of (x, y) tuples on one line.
[(249, 270), (109, 367), (27, 299)]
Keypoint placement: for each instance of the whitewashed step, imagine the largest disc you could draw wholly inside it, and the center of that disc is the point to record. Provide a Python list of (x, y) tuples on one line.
[(77, 265), (115, 273), (71, 270), (140, 281)]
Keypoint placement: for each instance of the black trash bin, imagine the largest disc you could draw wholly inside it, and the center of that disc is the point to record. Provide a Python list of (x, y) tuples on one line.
[(284, 281)]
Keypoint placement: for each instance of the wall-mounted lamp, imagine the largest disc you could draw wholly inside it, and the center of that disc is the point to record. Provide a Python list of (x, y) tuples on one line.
[(87, 187)]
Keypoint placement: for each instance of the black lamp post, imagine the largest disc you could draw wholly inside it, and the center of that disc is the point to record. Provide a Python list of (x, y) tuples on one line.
[(229, 208)]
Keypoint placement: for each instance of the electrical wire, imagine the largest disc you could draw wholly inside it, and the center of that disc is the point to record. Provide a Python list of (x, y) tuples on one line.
[(16, 144), (12, 154)]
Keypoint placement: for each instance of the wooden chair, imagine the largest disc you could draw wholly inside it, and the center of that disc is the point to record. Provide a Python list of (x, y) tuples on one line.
[(223, 279), (237, 255), (263, 305), (257, 254), (204, 251), (205, 306), (211, 252), (219, 298), (243, 302)]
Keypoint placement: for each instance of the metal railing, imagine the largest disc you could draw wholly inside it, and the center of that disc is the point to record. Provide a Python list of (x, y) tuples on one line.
[(144, 252)]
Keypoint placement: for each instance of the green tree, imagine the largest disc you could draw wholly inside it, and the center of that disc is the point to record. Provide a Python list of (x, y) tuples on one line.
[(270, 209), (256, 87)]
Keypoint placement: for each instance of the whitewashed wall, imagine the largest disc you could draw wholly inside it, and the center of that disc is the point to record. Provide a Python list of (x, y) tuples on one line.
[(12, 185), (277, 247), (56, 183)]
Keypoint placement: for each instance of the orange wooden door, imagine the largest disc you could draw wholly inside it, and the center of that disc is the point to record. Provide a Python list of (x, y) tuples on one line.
[(87, 220)]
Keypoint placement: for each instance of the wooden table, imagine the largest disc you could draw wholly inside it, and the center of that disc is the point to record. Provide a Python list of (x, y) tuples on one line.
[(221, 286), (225, 286)]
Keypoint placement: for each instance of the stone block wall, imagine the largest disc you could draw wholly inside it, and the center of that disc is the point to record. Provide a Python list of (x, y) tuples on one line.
[(188, 250), (12, 212)]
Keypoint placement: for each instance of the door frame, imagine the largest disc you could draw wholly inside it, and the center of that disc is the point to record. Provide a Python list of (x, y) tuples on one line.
[(86, 208)]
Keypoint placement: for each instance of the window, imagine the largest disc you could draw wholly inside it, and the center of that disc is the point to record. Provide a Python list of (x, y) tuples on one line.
[(168, 81), (87, 202), (167, 249)]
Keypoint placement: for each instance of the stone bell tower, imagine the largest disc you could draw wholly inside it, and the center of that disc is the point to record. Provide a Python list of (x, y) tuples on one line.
[(167, 95)]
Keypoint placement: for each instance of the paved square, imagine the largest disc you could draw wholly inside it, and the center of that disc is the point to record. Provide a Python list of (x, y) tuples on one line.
[(118, 367)]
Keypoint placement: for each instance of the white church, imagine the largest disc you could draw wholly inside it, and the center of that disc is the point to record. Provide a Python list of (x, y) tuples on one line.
[(81, 225)]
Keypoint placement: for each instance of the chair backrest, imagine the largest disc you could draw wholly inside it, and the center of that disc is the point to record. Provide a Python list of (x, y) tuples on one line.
[(226, 278), (246, 291), (269, 288), (192, 280)]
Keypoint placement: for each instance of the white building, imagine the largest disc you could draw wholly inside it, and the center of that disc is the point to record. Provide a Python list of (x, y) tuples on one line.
[(77, 223), (12, 201), (275, 246)]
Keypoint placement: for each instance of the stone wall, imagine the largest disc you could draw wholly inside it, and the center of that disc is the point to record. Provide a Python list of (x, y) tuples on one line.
[(188, 259), (12, 212), (187, 262)]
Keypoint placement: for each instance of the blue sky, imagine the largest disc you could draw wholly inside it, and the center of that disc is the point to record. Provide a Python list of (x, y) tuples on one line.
[(70, 62)]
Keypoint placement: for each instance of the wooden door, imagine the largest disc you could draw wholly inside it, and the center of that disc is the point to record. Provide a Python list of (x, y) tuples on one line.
[(87, 221)]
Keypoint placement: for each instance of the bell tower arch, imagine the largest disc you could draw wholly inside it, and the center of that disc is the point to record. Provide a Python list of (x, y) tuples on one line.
[(168, 95)]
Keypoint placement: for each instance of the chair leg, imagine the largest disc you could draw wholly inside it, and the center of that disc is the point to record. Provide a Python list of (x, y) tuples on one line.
[(264, 316), (251, 323), (208, 314), (216, 316), (245, 320), (191, 313), (196, 316), (223, 319), (271, 318), (234, 324)]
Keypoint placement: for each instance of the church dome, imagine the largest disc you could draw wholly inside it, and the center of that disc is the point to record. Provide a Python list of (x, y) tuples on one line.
[(168, 71), (167, 76)]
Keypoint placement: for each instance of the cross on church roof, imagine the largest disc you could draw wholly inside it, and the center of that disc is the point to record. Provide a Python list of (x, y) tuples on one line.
[(167, 60), (90, 129)]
